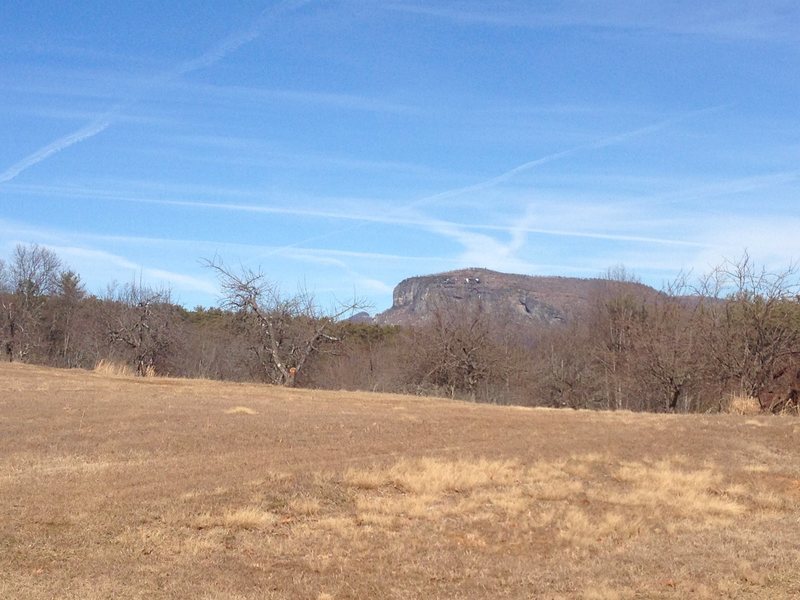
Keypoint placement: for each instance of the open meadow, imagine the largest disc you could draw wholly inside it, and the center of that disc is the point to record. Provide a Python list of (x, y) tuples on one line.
[(165, 488)]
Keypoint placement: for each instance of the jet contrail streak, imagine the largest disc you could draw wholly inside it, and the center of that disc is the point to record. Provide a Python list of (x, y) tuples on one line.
[(601, 143), (92, 129), (605, 142), (103, 122)]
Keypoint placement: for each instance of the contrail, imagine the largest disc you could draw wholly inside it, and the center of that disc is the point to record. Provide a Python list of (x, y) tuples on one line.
[(234, 42), (503, 177), (364, 219), (527, 166), (99, 125), (104, 121)]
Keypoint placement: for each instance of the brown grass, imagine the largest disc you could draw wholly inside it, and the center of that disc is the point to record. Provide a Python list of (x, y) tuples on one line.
[(240, 410), (743, 405), (113, 369), (130, 487), (242, 518), (110, 368)]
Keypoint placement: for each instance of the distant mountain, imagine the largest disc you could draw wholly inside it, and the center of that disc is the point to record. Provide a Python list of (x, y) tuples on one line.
[(514, 298), (360, 317)]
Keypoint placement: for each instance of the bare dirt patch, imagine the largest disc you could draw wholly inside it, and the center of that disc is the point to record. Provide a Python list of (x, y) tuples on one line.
[(129, 488)]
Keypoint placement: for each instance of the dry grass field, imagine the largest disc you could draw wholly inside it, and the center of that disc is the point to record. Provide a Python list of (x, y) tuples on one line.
[(115, 487)]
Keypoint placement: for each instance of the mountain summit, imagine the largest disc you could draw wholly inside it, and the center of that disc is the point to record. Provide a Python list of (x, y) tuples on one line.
[(506, 296)]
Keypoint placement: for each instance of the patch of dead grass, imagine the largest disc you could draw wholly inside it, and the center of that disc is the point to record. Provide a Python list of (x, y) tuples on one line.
[(434, 476), (666, 487), (241, 518), (240, 410), (636, 497), (580, 527), (742, 405), (607, 591), (109, 368), (304, 506)]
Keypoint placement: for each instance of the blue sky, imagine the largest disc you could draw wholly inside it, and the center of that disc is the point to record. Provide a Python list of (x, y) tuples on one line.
[(345, 145)]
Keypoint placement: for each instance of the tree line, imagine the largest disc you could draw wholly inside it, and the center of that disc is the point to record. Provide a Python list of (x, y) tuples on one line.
[(734, 332)]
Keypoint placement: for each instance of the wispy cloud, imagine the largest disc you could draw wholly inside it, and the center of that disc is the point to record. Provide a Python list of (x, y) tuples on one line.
[(257, 152), (728, 187), (101, 123), (479, 249), (327, 259), (379, 214), (605, 142), (256, 96), (63, 114), (201, 247), (101, 267), (769, 238), (736, 19), (83, 85), (508, 248), (92, 260), (89, 85), (161, 276)]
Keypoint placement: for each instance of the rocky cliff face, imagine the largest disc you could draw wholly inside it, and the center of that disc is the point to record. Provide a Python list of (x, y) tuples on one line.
[(513, 298)]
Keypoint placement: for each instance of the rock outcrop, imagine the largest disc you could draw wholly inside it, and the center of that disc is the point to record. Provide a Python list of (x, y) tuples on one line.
[(509, 297)]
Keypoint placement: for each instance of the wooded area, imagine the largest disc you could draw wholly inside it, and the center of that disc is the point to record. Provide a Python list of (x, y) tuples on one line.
[(734, 332)]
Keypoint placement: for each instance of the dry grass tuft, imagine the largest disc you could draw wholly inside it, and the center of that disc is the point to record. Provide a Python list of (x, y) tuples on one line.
[(666, 487), (580, 528), (742, 405), (431, 488), (604, 591), (304, 506), (113, 369), (432, 476), (240, 410), (242, 518)]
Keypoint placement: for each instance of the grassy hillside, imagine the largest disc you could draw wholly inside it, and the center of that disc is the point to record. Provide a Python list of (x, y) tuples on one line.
[(131, 488)]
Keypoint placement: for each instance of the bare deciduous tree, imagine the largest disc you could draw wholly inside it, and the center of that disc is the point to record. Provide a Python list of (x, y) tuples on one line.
[(564, 373), (455, 351), (751, 321), (140, 319), (30, 277), (4, 278), (664, 359), (285, 331), (616, 314)]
